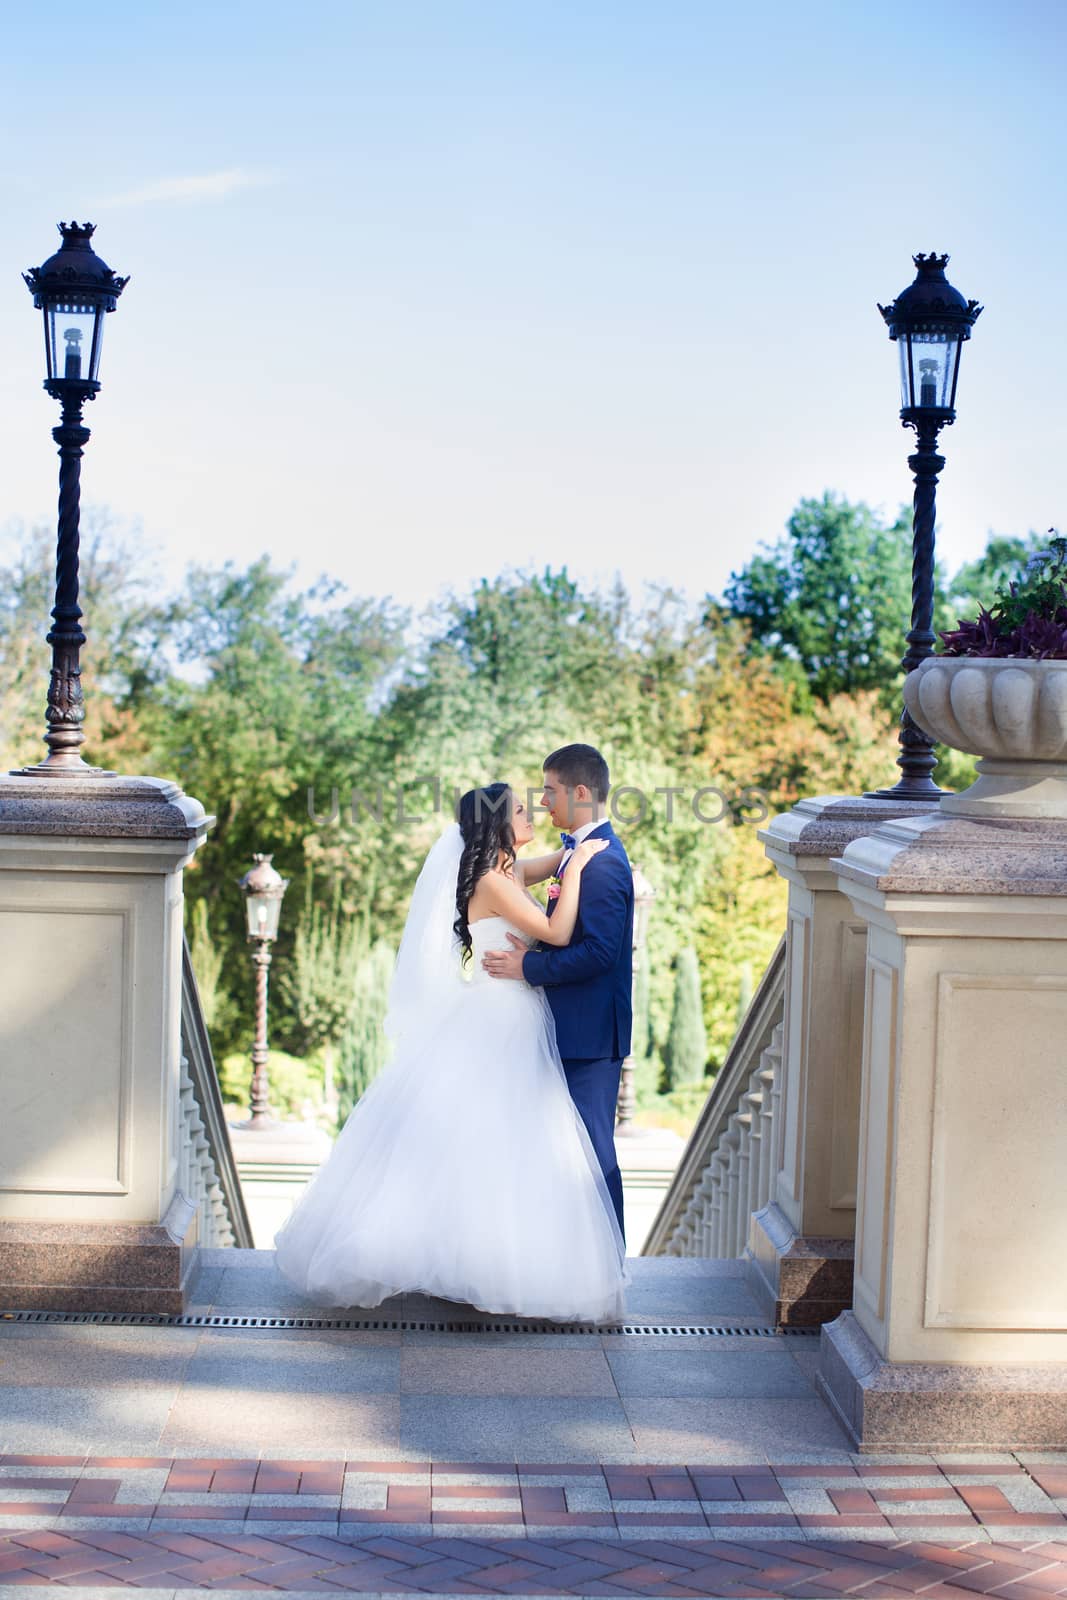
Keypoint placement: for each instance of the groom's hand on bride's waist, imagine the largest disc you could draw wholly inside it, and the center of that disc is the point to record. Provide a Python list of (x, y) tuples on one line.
[(506, 963)]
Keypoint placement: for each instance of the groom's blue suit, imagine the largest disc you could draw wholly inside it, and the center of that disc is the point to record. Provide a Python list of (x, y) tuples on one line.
[(588, 984)]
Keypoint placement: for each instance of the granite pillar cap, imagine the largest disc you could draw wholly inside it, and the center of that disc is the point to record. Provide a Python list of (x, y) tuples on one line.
[(100, 807), (825, 824), (938, 854)]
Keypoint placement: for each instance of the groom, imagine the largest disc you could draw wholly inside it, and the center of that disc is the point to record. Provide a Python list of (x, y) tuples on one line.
[(588, 981)]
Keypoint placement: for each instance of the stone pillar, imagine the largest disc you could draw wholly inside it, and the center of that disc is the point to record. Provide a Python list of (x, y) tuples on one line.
[(958, 1332), (800, 1245), (91, 1216)]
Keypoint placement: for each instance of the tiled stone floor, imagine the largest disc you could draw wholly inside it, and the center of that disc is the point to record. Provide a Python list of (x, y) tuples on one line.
[(398, 1461)]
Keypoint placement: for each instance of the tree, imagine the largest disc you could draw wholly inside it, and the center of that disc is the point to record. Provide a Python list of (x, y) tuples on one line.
[(207, 962), (976, 581), (253, 694), (121, 662), (319, 981), (363, 1047), (833, 598), (687, 1045), (270, 697)]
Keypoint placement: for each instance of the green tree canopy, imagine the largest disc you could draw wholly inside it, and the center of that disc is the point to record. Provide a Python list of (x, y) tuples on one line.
[(976, 582), (255, 694), (832, 598)]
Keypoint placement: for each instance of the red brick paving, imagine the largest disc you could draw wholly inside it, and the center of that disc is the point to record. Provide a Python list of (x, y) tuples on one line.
[(853, 1500), (562, 1554), (979, 1500)]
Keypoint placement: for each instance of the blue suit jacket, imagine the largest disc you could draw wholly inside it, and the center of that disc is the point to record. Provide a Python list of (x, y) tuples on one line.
[(588, 981)]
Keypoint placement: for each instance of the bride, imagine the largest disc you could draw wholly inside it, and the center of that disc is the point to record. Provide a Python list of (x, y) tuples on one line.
[(465, 1170)]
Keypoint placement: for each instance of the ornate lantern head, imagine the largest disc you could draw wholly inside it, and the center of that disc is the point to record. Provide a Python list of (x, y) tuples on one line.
[(74, 289), (930, 322), (264, 890)]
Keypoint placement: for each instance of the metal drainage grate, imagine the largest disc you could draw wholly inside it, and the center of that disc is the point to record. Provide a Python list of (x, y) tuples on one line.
[(358, 1324)]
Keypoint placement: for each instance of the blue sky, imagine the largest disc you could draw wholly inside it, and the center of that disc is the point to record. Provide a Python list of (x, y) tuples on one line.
[(423, 291)]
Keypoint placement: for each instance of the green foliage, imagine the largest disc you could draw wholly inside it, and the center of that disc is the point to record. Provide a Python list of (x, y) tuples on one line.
[(207, 961), (746, 989), (1027, 619), (121, 665), (687, 1100), (1001, 561), (364, 1047), (319, 980), (833, 597), (270, 698), (1038, 588), (295, 1083), (676, 1109), (687, 1042), (264, 700)]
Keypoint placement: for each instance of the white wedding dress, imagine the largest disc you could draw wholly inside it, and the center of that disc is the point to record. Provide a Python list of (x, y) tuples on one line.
[(465, 1171)]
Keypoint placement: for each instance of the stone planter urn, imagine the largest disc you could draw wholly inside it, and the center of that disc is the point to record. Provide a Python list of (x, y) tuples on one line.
[(1013, 714)]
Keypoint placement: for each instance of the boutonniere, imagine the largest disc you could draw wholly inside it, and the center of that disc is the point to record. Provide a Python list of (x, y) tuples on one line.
[(554, 887)]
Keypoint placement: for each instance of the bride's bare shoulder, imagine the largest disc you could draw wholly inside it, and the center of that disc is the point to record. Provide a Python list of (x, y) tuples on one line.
[(492, 887)]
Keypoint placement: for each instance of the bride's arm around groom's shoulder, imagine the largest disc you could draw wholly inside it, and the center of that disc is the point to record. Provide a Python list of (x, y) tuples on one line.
[(607, 897), (507, 899)]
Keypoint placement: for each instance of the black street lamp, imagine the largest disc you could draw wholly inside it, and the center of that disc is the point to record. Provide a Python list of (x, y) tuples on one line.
[(930, 322), (74, 289), (264, 890)]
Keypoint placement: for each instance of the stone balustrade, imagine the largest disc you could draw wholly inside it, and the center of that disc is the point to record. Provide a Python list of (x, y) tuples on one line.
[(728, 1166), (207, 1173)]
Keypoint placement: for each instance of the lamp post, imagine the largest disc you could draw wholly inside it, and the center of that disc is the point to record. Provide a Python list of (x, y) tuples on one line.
[(264, 890), (74, 289), (930, 321), (644, 894)]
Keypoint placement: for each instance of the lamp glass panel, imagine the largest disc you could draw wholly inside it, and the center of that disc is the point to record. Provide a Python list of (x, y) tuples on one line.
[(904, 352), (933, 366), (73, 340), (263, 913)]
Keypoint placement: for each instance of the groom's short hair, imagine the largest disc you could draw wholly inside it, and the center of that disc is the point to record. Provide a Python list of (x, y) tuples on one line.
[(580, 763)]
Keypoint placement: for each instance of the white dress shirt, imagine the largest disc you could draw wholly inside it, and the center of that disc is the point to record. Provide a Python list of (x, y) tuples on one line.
[(586, 829), (578, 835)]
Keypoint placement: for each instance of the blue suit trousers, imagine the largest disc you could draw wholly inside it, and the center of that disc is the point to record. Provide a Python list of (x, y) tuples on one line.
[(594, 1087)]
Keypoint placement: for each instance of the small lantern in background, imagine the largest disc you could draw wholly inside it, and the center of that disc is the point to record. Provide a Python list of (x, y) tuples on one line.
[(264, 890)]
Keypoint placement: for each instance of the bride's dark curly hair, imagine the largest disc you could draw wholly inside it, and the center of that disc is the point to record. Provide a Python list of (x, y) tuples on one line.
[(484, 817)]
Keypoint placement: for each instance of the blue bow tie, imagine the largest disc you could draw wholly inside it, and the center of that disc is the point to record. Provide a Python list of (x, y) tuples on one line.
[(567, 840)]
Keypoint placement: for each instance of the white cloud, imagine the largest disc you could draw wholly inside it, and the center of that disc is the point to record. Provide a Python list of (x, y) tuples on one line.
[(206, 186)]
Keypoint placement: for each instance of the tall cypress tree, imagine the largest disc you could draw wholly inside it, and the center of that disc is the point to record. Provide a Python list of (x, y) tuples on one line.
[(687, 1044)]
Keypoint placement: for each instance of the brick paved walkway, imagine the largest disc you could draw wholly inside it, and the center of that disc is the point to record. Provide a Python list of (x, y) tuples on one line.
[(181, 1460), (873, 1528)]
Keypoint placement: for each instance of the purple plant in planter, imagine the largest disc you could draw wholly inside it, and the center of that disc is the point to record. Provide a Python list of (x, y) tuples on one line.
[(1028, 618)]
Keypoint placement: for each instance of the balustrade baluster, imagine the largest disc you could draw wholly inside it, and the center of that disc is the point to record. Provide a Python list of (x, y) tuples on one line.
[(753, 1104), (767, 1131), (732, 1139), (744, 1129), (703, 1230), (777, 1091), (720, 1161)]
